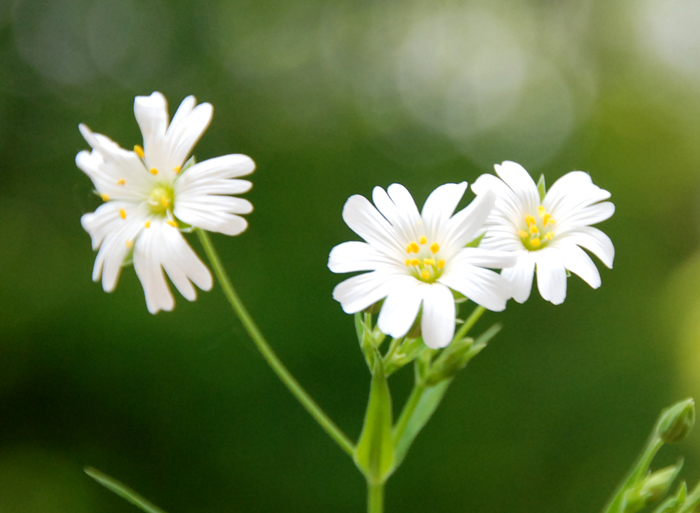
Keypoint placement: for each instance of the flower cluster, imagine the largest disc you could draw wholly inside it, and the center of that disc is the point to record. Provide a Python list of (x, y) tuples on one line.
[(152, 193), (417, 260)]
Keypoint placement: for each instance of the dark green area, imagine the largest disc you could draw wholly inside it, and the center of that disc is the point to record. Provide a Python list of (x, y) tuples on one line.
[(330, 99)]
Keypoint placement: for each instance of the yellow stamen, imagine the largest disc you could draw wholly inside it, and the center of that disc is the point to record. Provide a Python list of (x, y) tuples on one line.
[(415, 261), (425, 274), (129, 243), (522, 234), (121, 181), (172, 223), (535, 243), (177, 169), (441, 264), (153, 171), (549, 236), (148, 224), (122, 213), (412, 248), (548, 220), (105, 197), (529, 220), (533, 228), (139, 151), (408, 262), (165, 202), (422, 239), (434, 248), (541, 211), (428, 261)]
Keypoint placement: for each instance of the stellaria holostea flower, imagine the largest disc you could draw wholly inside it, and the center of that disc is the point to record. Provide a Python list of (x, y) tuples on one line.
[(416, 258), (547, 233), (150, 193)]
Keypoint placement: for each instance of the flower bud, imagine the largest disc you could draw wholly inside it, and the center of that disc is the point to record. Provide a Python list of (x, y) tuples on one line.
[(652, 488), (675, 422)]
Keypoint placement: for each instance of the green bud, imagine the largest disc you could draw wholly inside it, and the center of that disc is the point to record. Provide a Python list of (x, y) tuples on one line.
[(404, 353), (651, 488), (675, 422)]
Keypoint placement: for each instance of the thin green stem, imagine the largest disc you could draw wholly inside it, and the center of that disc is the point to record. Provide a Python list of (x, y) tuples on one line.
[(407, 412), (270, 357), (470, 322), (375, 498)]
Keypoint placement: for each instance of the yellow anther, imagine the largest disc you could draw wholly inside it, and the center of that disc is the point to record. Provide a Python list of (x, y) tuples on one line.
[(408, 262), (121, 181), (412, 248), (434, 248), (105, 197), (529, 220), (548, 220), (535, 243), (177, 169), (147, 225), (153, 171), (139, 151), (415, 261), (441, 264), (533, 228), (129, 243), (428, 261), (165, 201), (122, 213), (422, 239), (172, 223), (549, 236), (522, 234), (425, 274), (541, 211)]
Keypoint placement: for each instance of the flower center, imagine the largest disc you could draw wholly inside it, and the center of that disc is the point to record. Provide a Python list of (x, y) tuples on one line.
[(161, 199), (537, 233), (422, 260)]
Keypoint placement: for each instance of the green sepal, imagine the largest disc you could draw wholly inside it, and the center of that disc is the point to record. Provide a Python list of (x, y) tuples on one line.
[(475, 243), (369, 339), (427, 405), (190, 162), (122, 490), (374, 455), (676, 421), (651, 489), (541, 188), (675, 503), (405, 351)]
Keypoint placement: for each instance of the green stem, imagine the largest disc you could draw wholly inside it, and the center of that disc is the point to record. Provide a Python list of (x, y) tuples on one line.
[(270, 357), (375, 498), (407, 412), (470, 322)]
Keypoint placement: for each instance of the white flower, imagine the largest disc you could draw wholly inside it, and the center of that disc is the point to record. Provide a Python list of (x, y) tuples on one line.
[(416, 258), (547, 234), (148, 195)]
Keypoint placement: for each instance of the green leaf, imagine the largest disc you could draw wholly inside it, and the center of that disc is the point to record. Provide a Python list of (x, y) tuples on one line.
[(427, 405), (374, 455), (122, 490), (541, 188)]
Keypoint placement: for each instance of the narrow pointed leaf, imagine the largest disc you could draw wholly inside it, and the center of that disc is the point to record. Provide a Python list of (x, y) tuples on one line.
[(427, 405), (122, 490), (374, 455)]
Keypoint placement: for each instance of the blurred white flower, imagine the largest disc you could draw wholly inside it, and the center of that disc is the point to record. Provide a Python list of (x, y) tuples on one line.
[(416, 258), (547, 233), (150, 193)]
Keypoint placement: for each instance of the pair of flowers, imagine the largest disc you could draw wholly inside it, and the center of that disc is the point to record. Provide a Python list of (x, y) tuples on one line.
[(416, 260)]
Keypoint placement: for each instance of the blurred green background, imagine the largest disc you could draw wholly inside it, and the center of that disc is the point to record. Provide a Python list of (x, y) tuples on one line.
[(331, 98)]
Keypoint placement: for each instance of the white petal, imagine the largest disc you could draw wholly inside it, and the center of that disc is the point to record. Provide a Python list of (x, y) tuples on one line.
[(578, 262), (467, 224), (551, 276), (438, 321), (187, 127), (404, 223), (152, 116), (482, 286), (440, 206), (594, 241), (355, 256), (401, 307), (362, 218), (360, 292), (182, 264), (522, 184), (147, 256), (481, 257), (585, 216), (507, 206), (519, 277), (572, 192)]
